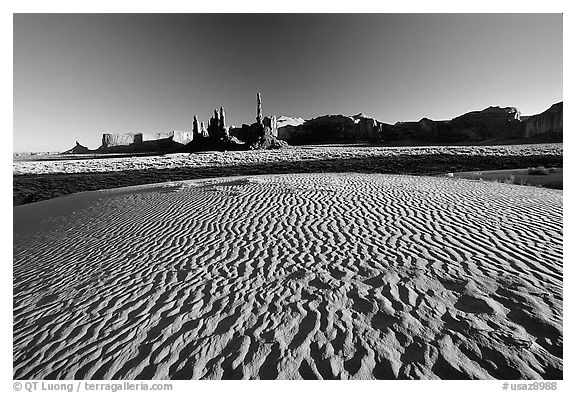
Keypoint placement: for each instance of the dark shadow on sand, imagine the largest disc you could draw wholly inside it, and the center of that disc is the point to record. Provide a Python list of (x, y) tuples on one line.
[(34, 188)]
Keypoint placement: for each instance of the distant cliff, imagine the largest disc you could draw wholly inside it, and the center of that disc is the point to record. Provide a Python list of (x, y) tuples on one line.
[(547, 122), (492, 123), (144, 142), (332, 128)]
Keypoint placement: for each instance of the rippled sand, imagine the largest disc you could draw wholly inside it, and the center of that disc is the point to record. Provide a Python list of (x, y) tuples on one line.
[(291, 276)]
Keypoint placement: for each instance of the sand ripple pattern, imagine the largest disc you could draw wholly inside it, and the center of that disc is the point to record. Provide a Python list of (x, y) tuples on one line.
[(331, 276)]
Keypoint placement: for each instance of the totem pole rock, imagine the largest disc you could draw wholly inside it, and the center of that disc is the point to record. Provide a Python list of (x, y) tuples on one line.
[(223, 130), (195, 128), (259, 109), (213, 125), (215, 121), (222, 123)]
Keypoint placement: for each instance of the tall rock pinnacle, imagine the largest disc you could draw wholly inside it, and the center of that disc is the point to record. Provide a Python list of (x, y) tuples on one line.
[(259, 109), (222, 118), (195, 128)]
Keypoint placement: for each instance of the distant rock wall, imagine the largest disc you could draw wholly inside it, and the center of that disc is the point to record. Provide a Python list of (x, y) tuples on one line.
[(283, 121), (154, 136), (491, 122), (182, 137), (367, 128), (332, 128), (547, 122), (110, 140), (128, 139)]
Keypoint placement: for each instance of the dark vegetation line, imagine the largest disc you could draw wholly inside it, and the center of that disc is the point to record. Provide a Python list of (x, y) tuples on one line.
[(34, 188)]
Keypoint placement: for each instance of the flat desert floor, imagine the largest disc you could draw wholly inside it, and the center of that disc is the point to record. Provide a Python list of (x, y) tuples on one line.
[(347, 276), (52, 164)]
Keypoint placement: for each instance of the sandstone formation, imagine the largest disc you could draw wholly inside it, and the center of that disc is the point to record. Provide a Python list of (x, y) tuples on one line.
[(145, 142), (493, 123), (110, 140), (217, 125), (368, 129), (333, 128), (283, 121), (222, 123), (258, 109), (548, 122), (78, 149), (260, 135), (203, 130), (196, 133), (272, 124), (267, 135)]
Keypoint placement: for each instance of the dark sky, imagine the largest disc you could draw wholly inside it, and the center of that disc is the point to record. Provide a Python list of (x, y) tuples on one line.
[(78, 76)]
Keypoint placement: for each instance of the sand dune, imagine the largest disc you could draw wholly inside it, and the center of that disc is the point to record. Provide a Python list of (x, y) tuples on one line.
[(291, 276)]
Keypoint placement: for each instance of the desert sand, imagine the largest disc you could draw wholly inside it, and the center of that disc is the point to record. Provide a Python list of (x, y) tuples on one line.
[(90, 163), (348, 276)]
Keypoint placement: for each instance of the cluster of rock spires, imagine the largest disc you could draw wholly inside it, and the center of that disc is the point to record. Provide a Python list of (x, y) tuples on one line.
[(215, 134), (492, 124), (260, 135)]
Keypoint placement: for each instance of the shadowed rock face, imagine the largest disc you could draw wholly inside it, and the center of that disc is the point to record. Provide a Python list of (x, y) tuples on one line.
[(493, 115), (267, 137), (491, 123), (217, 129), (259, 136), (196, 131), (78, 149), (332, 128), (547, 122)]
